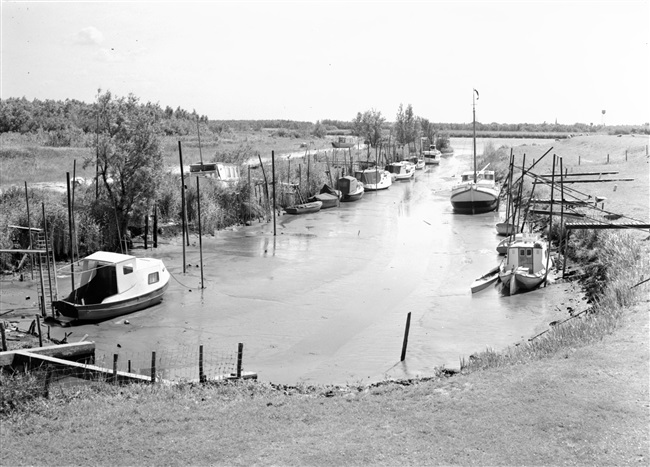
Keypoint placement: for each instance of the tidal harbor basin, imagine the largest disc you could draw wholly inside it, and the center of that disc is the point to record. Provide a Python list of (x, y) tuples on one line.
[(326, 299)]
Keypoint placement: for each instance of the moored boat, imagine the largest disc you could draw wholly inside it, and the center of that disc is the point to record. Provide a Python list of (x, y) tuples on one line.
[(304, 208), (418, 163), (431, 155), (374, 179), (477, 190), (402, 170), (351, 188), (327, 200), (485, 280), (112, 285), (526, 264)]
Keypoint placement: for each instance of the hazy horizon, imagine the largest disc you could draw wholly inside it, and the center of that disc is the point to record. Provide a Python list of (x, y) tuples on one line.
[(531, 61)]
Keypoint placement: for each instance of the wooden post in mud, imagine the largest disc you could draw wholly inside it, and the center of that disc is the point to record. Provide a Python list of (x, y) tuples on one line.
[(4, 338), (273, 185), (153, 367), (406, 337), (155, 225), (70, 230), (183, 212), (47, 257), (38, 327), (114, 368), (146, 231), (198, 202), (201, 374), (240, 356)]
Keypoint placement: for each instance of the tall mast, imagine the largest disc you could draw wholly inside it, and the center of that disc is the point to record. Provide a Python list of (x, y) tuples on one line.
[(474, 98)]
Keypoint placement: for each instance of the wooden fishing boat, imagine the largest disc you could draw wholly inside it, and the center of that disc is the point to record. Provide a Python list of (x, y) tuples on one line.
[(351, 188), (343, 142), (526, 264), (304, 208), (374, 179), (402, 170), (477, 191), (505, 228), (328, 200), (485, 280), (112, 285)]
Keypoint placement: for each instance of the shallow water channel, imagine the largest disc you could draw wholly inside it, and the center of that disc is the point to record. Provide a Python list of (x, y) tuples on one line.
[(325, 300)]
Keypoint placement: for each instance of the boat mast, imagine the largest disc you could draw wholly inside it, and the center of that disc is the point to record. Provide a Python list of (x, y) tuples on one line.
[(474, 128)]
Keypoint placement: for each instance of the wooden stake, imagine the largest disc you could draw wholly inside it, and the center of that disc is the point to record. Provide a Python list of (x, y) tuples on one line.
[(201, 374), (153, 367), (114, 368), (240, 356), (406, 336), (4, 337), (198, 202), (38, 326)]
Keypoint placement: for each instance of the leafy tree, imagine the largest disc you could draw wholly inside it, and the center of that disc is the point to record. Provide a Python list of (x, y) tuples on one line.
[(130, 162), (368, 125), (319, 131), (406, 125), (427, 128)]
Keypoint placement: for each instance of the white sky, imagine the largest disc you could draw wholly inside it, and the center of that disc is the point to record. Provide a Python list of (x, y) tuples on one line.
[(309, 60)]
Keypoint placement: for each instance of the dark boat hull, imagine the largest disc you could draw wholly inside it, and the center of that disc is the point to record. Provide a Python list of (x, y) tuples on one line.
[(103, 311)]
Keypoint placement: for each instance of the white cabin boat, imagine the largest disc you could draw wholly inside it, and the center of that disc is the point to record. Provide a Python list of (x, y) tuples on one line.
[(374, 179), (525, 265), (432, 155), (113, 284), (402, 170)]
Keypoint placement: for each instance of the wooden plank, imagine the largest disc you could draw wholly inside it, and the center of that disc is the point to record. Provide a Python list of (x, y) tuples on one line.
[(605, 225), (592, 180), (82, 370), (580, 174), (72, 350), (16, 250)]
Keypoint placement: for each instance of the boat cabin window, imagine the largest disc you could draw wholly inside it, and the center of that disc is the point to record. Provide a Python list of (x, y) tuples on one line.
[(522, 252), (127, 269), (153, 277), (529, 252), (466, 178), (489, 176)]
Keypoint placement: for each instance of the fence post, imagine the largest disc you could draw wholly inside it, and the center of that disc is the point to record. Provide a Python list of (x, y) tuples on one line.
[(4, 338), (240, 354), (38, 325), (201, 374), (406, 336), (153, 367)]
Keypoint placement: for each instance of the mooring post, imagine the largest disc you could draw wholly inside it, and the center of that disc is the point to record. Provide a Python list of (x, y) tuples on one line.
[(114, 368), (128, 366), (626, 155), (406, 336), (273, 184), (153, 367), (155, 225), (240, 355), (579, 157), (608, 158), (38, 326), (201, 374), (146, 230), (4, 338)]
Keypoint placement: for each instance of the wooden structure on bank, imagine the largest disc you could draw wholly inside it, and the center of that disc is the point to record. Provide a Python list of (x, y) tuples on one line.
[(76, 360)]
